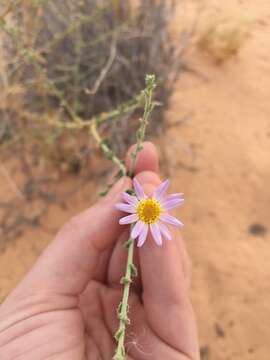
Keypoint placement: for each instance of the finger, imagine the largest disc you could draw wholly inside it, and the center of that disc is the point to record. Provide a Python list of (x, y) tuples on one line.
[(147, 162), (70, 261), (165, 293), (187, 265), (147, 159), (148, 177)]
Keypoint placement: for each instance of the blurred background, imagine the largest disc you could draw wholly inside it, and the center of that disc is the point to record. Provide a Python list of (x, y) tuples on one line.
[(65, 64)]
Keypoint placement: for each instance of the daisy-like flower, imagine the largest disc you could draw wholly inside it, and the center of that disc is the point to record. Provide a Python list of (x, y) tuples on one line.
[(150, 213)]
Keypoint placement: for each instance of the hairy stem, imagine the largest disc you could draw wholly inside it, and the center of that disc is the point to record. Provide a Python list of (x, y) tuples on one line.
[(78, 123), (131, 270), (123, 306), (148, 107), (108, 153)]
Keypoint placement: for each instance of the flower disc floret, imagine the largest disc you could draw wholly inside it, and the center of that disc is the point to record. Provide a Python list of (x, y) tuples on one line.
[(149, 210)]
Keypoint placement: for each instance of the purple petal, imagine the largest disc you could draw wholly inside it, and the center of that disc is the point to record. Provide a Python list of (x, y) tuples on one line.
[(171, 220), (161, 189), (174, 196), (170, 204), (164, 231), (155, 231), (126, 208), (143, 235), (138, 189), (132, 200), (137, 229), (128, 219)]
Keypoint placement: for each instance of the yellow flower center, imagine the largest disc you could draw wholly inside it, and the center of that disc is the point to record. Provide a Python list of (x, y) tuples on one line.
[(149, 210)]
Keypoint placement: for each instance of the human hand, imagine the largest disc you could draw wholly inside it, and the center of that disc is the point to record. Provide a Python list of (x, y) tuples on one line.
[(65, 308)]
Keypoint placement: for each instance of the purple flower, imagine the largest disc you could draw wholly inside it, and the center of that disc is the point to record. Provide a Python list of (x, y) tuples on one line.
[(150, 213)]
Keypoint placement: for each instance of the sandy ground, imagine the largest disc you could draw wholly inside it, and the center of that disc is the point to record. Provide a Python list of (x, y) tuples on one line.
[(220, 158)]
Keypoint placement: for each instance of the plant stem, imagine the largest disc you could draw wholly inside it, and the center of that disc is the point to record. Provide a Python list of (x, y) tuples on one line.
[(123, 306), (148, 107), (109, 154), (124, 108), (131, 270)]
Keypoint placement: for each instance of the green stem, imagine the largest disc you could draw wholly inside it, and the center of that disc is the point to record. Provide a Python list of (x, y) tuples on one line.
[(131, 270), (124, 108), (123, 306), (109, 154), (148, 107)]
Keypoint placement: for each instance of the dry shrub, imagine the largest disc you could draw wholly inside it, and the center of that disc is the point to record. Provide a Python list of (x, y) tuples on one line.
[(66, 63), (222, 35)]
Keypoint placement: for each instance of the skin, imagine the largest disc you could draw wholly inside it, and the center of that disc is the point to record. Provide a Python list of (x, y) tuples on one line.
[(65, 307)]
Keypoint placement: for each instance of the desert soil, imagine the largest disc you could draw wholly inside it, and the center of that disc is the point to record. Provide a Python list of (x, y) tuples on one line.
[(217, 151)]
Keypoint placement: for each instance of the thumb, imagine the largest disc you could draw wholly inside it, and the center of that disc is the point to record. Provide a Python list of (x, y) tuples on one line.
[(165, 293), (68, 263)]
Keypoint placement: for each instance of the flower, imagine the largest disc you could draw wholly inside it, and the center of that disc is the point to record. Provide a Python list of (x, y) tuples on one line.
[(150, 213)]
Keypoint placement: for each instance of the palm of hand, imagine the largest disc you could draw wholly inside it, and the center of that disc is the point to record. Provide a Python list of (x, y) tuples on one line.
[(65, 308), (85, 330)]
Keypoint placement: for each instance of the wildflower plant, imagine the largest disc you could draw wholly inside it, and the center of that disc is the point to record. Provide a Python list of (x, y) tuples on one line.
[(131, 270), (146, 214)]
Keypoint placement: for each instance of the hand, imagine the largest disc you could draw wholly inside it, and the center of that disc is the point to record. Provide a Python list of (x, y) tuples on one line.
[(65, 308)]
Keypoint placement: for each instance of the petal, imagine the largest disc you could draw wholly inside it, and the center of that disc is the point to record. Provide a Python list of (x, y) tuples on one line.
[(174, 196), (161, 189), (171, 220), (170, 204), (132, 200), (143, 235), (138, 189), (165, 231), (126, 208), (128, 219), (137, 229), (155, 231)]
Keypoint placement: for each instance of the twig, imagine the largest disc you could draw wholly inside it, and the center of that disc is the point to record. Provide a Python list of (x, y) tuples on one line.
[(148, 107), (103, 72), (126, 107), (11, 182), (131, 270), (123, 308), (109, 154)]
